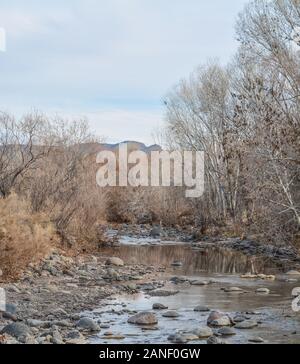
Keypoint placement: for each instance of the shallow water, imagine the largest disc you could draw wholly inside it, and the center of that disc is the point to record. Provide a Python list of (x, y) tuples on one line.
[(224, 268)]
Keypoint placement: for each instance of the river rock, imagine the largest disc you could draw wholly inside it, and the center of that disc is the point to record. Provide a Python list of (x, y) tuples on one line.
[(213, 340), (226, 331), (143, 318), (239, 318), (203, 332), (178, 280), (115, 261), (266, 277), (162, 293), (263, 290), (199, 283), (256, 340), (293, 273), (74, 334), (248, 276), (113, 337), (38, 323), (214, 315), (222, 321), (112, 274), (190, 337), (247, 324), (159, 306), (11, 308), (177, 263), (170, 314), (177, 339), (17, 330), (201, 309), (233, 289), (57, 338), (86, 323), (218, 319)]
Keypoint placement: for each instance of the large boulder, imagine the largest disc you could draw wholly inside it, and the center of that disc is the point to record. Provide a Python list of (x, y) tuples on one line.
[(143, 318)]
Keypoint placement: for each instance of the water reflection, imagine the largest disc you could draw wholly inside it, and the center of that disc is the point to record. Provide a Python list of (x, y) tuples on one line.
[(210, 260)]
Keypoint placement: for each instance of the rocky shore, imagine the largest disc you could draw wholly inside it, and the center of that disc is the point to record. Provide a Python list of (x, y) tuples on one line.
[(51, 302), (45, 305)]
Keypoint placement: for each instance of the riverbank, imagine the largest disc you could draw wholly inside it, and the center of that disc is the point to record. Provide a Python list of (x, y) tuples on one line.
[(75, 300), (45, 304)]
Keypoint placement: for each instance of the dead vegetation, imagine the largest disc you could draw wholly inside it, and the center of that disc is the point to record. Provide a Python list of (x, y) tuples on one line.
[(245, 116), (24, 236)]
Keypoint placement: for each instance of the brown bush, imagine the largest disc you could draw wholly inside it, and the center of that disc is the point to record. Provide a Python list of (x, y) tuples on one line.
[(24, 237)]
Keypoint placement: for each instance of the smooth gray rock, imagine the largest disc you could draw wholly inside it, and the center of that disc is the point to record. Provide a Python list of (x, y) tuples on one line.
[(159, 306), (201, 309), (203, 332), (217, 318), (248, 324), (171, 314), (115, 261), (199, 283), (143, 318), (226, 331), (213, 340), (87, 324), (177, 339), (256, 340), (263, 290), (17, 330)]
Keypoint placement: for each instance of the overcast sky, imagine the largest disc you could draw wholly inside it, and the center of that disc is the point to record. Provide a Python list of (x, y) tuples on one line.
[(110, 60)]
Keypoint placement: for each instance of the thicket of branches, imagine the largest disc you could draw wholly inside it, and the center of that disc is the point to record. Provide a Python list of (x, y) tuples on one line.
[(246, 117)]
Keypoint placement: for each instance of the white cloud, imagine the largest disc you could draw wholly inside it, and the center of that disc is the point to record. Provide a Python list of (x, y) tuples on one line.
[(112, 54)]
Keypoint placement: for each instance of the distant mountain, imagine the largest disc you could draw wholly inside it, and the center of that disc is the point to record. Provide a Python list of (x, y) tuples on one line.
[(94, 148)]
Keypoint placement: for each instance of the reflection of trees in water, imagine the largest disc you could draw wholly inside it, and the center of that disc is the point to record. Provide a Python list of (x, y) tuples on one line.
[(214, 260)]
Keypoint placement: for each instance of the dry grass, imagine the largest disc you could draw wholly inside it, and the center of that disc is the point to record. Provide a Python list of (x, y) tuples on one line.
[(24, 237)]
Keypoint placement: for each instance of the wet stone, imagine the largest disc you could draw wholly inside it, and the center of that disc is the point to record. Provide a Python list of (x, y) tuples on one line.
[(143, 318), (248, 324), (171, 314), (201, 309)]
